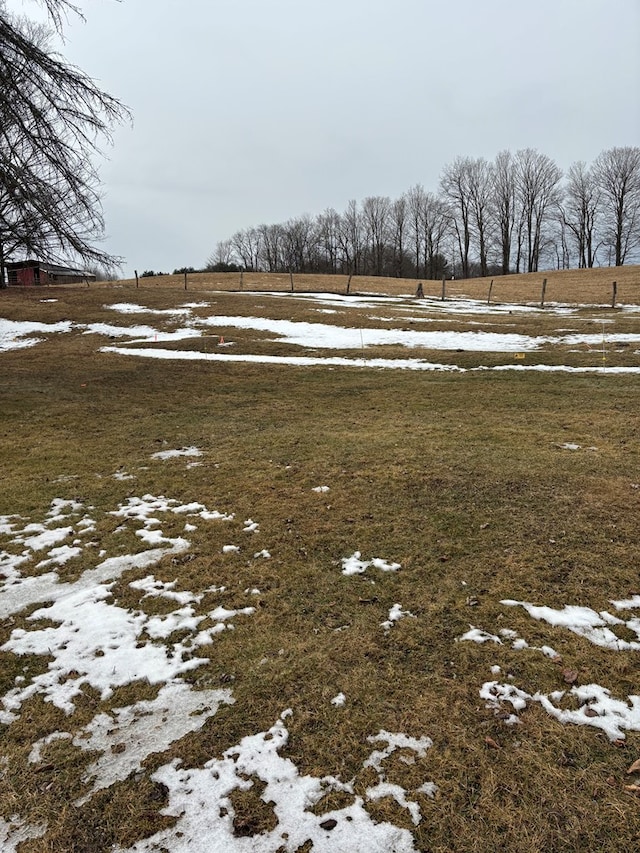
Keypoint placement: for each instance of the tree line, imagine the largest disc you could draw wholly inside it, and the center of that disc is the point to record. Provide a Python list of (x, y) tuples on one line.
[(517, 213)]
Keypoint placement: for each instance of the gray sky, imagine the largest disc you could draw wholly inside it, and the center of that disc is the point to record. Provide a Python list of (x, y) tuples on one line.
[(252, 111)]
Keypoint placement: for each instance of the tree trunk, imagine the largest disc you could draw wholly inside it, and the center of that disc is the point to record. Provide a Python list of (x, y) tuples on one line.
[(3, 283)]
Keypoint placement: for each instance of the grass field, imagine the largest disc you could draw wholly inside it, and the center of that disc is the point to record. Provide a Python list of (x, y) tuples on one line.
[(385, 599), (575, 286)]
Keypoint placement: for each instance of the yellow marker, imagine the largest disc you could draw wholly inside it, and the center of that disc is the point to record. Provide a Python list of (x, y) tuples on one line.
[(520, 355)]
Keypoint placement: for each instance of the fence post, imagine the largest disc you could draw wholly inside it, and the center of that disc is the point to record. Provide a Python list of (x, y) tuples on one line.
[(136, 274), (444, 289), (185, 280), (615, 293), (291, 277), (544, 290), (490, 289)]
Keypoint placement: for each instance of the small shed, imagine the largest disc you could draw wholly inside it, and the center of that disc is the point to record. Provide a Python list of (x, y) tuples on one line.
[(28, 273)]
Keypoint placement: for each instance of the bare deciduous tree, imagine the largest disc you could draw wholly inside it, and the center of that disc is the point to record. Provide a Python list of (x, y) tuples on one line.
[(580, 212), (376, 212), (539, 194), (617, 174), (328, 240), (52, 120), (456, 190), (247, 245), (504, 205), (222, 257), (398, 222), (480, 180), (351, 238)]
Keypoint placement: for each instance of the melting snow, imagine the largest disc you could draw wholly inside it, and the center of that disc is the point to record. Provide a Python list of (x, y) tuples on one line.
[(172, 454), (597, 707), (199, 799), (476, 635), (395, 613), (586, 623), (354, 565), (125, 737), (132, 308), (375, 363), (14, 831), (13, 333)]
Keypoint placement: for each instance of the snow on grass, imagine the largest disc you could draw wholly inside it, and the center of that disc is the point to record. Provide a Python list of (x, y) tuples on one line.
[(627, 603), (397, 793), (14, 334), (173, 454), (330, 336), (145, 510), (410, 303), (250, 526), (132, 308), (395, 614), (199, 800), (93, 641), (13, 832), (598, 708), (320, 489), (585, 622), (60, 556), (295, 361), (395, 741), (43, 538), (125, 737), (374, 363), (477, 635), (355, 565), (164, 589), (339, 701)]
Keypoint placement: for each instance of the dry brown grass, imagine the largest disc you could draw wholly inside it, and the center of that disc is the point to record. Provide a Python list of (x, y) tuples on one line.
[(588, 287), (460, 478)]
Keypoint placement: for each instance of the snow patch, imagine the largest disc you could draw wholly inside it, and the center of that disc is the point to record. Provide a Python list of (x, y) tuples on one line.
[(199, 799), (172, 454), (598, 708), (355, 565)]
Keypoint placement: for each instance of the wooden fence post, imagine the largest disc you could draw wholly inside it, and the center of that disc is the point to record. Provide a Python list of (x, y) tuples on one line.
[(490, 289), (185, 280), (137, 282), (615, 293), (349, 282), (291, 277), (444, 289), (544, 290)]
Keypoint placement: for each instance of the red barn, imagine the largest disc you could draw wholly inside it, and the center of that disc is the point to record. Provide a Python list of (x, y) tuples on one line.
[(40, 272)]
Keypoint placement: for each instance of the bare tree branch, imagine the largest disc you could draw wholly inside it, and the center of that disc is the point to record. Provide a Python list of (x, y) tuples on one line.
[(53, 119)]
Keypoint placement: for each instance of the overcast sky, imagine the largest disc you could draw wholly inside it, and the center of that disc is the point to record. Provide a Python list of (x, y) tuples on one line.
[(252, 111)]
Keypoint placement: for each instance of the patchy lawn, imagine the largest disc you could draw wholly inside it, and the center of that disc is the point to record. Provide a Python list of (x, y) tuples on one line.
[(299, 572)]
